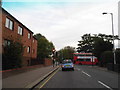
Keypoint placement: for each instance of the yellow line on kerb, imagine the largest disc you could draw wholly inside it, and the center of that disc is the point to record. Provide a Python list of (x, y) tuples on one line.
[(48, 79)]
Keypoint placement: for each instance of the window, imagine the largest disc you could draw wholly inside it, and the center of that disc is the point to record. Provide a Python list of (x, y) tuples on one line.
[(9, 24), (20, 30), (33, 40), (69, 61), (28, 35), (88, 60), (28, 49), (80, 59), (7, 42)]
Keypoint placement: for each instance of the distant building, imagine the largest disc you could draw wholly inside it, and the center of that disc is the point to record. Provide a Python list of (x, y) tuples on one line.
[(14, 30)]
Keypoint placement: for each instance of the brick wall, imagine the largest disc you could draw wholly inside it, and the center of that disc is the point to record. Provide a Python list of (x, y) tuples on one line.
[(34, 48), (13, 35), (48, 62)]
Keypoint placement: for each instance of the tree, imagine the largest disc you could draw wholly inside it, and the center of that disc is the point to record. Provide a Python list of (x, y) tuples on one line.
[(96, 44), (66, 53), (86, 44), (88, 41), (106, 57), (100, 46), (44, 49), (12, 56)]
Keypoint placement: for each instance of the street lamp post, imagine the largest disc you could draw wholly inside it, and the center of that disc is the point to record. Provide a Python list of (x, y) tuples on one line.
[(113, 35)]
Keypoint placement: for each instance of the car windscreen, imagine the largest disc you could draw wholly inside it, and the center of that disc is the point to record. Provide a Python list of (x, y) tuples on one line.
[(66, 62)]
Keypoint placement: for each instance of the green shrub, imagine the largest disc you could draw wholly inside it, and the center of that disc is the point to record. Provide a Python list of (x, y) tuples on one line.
[(107, 57), (12, 56), (118, 56)]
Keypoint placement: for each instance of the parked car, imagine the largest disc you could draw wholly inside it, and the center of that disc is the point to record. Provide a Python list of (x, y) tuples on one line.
[(67, 64)]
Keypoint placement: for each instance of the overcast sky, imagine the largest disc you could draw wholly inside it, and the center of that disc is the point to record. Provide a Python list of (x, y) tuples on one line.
[(64, 21)]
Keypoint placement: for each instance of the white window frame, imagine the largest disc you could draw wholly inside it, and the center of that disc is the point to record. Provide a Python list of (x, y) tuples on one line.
[(28, 49), (29, 35), (20, 30), (9, 23), (33, 40)]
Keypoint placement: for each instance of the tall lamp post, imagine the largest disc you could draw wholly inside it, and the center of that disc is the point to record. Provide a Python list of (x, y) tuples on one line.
[(113, 34)]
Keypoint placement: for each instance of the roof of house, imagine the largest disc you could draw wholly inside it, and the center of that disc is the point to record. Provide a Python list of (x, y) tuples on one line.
[(16, 20)]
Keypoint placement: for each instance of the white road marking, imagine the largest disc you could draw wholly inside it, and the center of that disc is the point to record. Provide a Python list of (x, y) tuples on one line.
[(105, 85), (86, 73)]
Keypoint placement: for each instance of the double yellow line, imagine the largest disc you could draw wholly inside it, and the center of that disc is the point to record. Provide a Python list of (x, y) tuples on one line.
[(49, 78)]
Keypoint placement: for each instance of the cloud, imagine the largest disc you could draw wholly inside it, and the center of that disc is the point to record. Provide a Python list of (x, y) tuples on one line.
[(64, 24)]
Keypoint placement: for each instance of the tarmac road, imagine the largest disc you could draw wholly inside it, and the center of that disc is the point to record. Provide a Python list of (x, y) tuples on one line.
[(82, 77)]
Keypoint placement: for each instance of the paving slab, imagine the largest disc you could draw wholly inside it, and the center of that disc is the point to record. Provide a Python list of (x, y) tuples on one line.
[(21, 80)]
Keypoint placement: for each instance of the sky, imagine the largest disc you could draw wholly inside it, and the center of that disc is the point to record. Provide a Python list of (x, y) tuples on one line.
[(64, 21)]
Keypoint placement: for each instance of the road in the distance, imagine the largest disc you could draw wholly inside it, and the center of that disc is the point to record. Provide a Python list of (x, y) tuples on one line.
[(83, 77)]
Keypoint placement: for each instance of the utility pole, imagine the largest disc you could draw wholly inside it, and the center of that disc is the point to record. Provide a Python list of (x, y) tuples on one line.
[(112, 34)]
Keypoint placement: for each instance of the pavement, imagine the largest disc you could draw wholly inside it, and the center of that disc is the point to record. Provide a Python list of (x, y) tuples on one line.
[(26, 77)]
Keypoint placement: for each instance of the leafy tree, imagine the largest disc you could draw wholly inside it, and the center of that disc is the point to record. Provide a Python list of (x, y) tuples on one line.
[(66, 53), (50, 48), (44, 49), (88, 40), (106, 57), (12, 56), (86, 44), (96, 44), (100, 46), (108, 38)]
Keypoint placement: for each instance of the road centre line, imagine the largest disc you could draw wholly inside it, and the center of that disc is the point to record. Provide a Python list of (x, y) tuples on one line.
[(105, 85), (86, 74), (48, 79)]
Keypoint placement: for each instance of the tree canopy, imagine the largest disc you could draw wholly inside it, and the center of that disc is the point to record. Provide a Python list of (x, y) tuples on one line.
[(44, 49), (96, 44), (66, 53)]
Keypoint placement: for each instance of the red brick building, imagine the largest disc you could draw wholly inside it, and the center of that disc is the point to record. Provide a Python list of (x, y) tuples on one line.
[(14, 30)]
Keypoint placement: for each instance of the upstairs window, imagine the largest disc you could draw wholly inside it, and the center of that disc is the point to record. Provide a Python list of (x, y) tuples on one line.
[(33, 40), (20, 30), (29, 36), (9, 24), (28, 49)]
